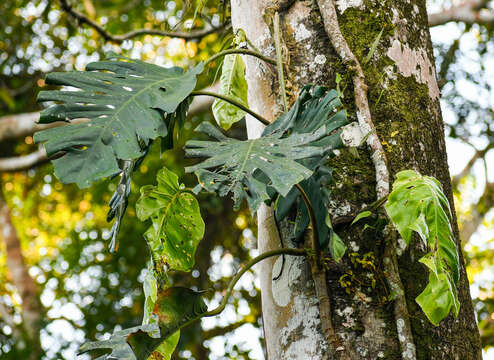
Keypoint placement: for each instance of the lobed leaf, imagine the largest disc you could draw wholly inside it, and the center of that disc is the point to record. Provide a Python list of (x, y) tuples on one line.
[(315, 107), (418, 204), (177, 225), (236, 162), (125, 101)]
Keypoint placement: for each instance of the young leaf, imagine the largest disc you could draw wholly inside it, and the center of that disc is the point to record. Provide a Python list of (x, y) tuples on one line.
[(418, 204), (150, 287), (236, 161), (234, 85), (177, 225), (336, 246), (373, 47), (361, 216), (125, 101)]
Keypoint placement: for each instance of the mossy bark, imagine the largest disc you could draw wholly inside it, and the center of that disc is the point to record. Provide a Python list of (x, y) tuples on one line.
[(404, 102)]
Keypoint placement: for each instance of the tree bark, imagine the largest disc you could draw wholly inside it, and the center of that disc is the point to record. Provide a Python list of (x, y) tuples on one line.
[(32, 309), (404, 104)]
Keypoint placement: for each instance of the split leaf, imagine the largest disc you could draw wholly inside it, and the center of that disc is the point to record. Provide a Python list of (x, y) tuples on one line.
[(418, 204), (125, 101), (236, 161)]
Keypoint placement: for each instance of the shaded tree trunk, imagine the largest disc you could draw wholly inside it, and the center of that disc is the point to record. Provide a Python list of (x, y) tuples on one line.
[(32, 309), (404, 103)]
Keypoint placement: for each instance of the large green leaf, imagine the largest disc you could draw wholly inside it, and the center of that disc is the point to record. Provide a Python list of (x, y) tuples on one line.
[(234, 85), (418, 204), (125, 101), (174, 307), (177, 226), (236, 161), (315, 107)]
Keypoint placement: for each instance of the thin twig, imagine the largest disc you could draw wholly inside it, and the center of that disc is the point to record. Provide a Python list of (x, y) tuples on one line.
[(240, 51), (331, 25), (83, 19), (233, 102)]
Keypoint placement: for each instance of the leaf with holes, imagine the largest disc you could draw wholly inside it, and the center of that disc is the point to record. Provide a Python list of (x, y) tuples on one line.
[(125, 101), (236, 161), (418, 204), (177, 225), (234, 85), (315, 107)]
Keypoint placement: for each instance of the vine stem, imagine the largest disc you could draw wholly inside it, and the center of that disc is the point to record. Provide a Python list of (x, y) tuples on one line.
[(330, 20), (312, 216), (241, 52), (232, 101), (252, 262), (233, 282), (279, 60)]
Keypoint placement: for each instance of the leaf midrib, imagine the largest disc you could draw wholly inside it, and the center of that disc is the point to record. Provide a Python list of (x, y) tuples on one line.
[(125, 104)]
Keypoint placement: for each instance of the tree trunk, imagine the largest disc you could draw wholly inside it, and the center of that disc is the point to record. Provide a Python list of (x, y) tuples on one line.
[(32, 309), (403, 98)]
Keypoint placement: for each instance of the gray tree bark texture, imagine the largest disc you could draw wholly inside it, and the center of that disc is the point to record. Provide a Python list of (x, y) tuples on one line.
[(404, 104)]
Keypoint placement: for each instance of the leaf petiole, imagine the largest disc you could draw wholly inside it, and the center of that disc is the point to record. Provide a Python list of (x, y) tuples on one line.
[(233, 102)]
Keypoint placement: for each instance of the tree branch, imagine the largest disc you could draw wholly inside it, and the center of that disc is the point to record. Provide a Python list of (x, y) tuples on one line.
[(24, 162), (479, 154), (222, 330), (83, 19), (469, 12)]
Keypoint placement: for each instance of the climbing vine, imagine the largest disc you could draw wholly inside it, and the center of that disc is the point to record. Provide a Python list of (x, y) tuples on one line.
[(130, 104)]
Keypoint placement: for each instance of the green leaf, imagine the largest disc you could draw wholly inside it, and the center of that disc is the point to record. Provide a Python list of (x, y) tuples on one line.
[(234, 85), (166, 349), (439, 297), (236, 161), (125, 101), (150, 287), (373, 47), (177, 225), (174, 308), (336, 245), (314, 108), (361, 216), (418, 204)]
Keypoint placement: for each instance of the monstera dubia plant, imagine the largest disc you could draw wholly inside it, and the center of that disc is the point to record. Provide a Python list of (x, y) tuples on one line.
[(129, 103)]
